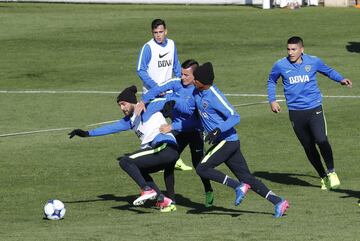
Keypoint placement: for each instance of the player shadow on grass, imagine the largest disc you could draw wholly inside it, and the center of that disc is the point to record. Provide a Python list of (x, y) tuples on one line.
[(291, 179), (349, 193), (195, 208), (286, 178), (199, 208), (127, 199)]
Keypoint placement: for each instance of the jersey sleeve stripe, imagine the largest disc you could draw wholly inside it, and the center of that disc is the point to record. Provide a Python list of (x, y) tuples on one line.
[(140, 58), (222, 100)]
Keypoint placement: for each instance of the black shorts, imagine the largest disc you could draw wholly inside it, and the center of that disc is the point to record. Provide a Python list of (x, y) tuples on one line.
[(309, 125)]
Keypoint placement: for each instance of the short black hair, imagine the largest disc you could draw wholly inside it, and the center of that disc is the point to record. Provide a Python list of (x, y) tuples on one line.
[(189, 63), (296, 40), (157, 22)]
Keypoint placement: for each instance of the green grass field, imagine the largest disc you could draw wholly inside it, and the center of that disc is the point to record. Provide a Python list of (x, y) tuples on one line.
[(94, 48)]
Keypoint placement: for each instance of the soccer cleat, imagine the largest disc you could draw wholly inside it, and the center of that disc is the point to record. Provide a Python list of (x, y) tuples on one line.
[(170, 208), (145, 195), (209, 199), (281, 208), (240, 192), (164, 202), (180, 165), (334, 181), (325, 183)]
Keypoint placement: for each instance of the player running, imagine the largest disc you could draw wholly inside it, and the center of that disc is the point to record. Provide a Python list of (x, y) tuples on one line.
[(304, 101), (219, 119)]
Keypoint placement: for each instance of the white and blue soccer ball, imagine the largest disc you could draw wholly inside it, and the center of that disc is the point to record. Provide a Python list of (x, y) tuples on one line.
[(54, 209)]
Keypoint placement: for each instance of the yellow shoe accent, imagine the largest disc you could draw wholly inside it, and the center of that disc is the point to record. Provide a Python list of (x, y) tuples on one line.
[(170, 208), (180, 165), (333, 180), (324, 183)]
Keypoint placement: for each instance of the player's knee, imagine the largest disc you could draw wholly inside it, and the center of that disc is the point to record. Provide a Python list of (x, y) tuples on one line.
[(124, 162), (322, 141), (201, 169)]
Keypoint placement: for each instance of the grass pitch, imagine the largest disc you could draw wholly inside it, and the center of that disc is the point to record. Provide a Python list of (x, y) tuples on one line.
[(94, 47)]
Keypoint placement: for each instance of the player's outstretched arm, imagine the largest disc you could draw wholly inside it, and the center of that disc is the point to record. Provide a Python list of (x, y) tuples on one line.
[(346, 82)]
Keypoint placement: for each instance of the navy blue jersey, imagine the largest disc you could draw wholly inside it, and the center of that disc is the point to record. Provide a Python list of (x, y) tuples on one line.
[(299, 81)]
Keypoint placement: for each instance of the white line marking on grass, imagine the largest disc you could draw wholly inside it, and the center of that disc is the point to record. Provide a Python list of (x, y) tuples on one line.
[(57, 92), (116, 92), (50, 130), (255, 103), (34, 132), (105, 122)]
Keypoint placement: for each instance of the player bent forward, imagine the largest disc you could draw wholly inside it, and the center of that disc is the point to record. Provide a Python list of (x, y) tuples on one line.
[(158, 151), (219, 119)]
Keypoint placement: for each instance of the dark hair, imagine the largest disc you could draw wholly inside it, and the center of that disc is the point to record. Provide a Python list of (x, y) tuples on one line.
[(205, 74), (296, 40), (157, 22), (190, 63)]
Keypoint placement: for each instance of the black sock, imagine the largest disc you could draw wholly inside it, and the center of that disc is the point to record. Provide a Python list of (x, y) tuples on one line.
[(327, 154)]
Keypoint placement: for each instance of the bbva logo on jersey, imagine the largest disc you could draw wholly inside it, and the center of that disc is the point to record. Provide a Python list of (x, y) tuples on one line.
[(164, 63), (299, 79), (138, 133)]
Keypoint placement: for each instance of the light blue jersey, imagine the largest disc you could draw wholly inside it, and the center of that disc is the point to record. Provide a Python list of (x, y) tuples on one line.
[(299, 81), (184, 119), (216, 112)]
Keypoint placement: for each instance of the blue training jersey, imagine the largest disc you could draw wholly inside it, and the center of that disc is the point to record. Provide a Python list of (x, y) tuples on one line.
[(216, 112), (184, 119), (299, 81), (146, 127)]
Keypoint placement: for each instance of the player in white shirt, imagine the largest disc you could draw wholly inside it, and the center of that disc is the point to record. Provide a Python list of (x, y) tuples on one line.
[(158, 63)]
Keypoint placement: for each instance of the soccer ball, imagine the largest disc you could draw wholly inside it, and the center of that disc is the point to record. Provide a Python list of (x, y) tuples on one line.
[(54, 210)]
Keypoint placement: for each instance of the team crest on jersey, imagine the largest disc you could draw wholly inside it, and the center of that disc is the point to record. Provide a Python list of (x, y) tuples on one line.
[(307, 68), (204, 104)]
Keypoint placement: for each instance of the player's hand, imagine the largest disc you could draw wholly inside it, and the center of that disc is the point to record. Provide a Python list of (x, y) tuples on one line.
[(78, 132), (275, 107), (165, 128), (139, 107), (168, 108), (346, 82), (212, 135)]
